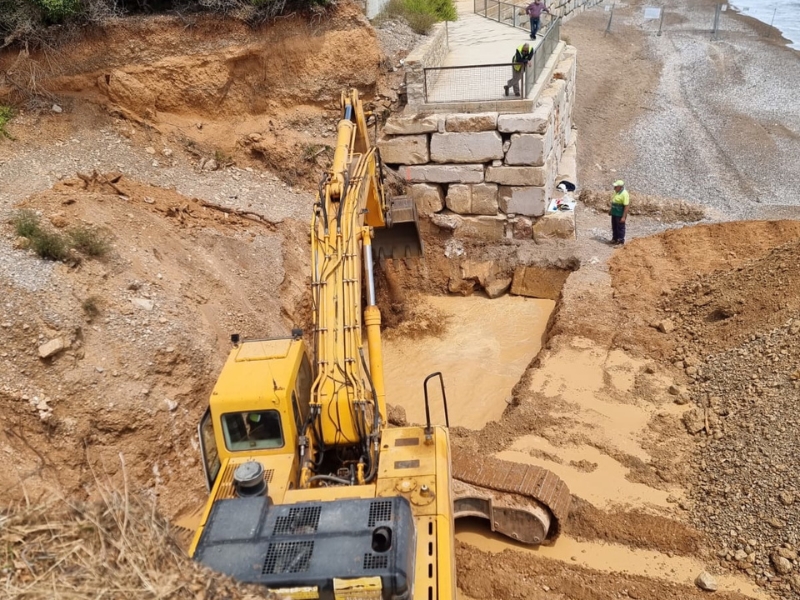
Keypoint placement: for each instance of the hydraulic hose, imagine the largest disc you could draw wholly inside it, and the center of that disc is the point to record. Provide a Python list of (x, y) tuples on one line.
[(331, 478)]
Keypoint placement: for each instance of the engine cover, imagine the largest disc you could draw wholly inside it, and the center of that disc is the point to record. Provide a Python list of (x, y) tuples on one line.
[(311, 543)]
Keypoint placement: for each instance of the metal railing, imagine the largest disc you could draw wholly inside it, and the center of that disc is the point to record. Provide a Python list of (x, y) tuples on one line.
[(481, 83), (513, 14), (470, 83), (542, 54)]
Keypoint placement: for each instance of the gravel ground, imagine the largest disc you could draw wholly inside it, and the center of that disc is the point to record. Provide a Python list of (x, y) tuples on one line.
[(721, 128), (33, 168), (396, 38), (741, 350), (748, 493)]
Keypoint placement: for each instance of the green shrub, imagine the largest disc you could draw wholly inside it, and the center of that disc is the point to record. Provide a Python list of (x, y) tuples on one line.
[(56, 11), (50, 245), (444, 9), (421, 15), (26, 223), (88, 240), (6, 114), (421, 22)]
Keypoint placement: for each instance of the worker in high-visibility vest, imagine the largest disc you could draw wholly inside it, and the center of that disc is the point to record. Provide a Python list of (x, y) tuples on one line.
[(619, 212), (522, 56)]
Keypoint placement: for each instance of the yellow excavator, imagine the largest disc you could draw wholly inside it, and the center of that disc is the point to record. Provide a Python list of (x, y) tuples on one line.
[(311, 493)]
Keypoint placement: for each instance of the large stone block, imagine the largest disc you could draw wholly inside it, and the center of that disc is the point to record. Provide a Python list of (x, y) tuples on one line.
[(490, 229), (539, 282), (534, 122), (528, 201), (459, 198), (522, 228), (568, 166), (534, 176), (411, 124), (442, 173), (476, 199), (555, 225), (484, 199), (566, 69), (526, 149), (466, 147), (497, 287), (482, 271), (405, 149), (428, 198), (460, 123)]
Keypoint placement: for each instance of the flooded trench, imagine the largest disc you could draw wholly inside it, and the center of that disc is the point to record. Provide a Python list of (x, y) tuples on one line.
[(485, 349)]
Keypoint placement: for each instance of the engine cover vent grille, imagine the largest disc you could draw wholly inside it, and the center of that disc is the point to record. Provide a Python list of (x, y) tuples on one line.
[(375, 561), (380, 511), (299, 521), (288, 557)]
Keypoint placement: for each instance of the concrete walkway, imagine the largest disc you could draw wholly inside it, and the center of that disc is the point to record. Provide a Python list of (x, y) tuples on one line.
[(476, 40)]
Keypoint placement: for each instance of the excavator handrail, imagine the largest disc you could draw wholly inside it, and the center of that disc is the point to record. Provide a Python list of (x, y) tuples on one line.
[(428, 428)]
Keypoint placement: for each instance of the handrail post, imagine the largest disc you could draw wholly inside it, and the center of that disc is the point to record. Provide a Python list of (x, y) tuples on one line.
[(428, 426)]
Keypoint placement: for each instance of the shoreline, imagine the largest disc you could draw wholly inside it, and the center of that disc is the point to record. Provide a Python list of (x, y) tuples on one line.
[(711, 122), (774, 36)]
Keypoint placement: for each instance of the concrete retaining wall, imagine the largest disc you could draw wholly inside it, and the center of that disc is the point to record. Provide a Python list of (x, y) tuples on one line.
[(488, 174)]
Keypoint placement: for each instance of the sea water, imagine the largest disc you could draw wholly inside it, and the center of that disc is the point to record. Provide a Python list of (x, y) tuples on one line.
[(784, 16)]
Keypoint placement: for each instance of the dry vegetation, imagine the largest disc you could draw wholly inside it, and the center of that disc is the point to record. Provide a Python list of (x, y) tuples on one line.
[(117, 547)]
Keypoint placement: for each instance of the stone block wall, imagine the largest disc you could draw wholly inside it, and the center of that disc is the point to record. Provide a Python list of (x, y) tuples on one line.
[(431, 53), (567, 9), (487, 174)]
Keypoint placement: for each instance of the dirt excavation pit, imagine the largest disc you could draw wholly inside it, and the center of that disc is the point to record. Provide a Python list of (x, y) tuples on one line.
[(484, 350)]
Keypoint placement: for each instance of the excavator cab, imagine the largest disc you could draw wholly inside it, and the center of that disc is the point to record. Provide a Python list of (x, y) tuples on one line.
[(400, 238)]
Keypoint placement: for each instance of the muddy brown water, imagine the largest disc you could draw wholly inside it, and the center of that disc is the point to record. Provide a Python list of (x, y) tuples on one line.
[(484, 351)]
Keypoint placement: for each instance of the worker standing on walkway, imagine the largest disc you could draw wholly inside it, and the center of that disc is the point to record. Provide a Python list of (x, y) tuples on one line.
[(520, 61), (620, 202), (534, 10)]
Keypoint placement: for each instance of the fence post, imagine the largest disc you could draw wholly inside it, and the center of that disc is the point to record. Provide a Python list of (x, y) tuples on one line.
[(661, 22), (499, 11), (485, 8), (715, 31), (610, 17)]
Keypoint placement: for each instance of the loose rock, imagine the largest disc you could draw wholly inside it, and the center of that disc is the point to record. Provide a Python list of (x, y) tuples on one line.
[(51, 348), (705, 581)]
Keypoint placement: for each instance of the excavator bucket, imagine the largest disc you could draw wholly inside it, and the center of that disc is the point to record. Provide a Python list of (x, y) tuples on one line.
[(400, 239), (524, 502)]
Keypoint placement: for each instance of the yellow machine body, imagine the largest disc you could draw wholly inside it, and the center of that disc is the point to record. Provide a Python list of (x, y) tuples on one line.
[(311, 421)]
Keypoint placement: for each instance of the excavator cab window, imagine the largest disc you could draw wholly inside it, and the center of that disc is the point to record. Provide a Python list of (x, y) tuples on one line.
[(301, 396), (208, 449), (253, 430)]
